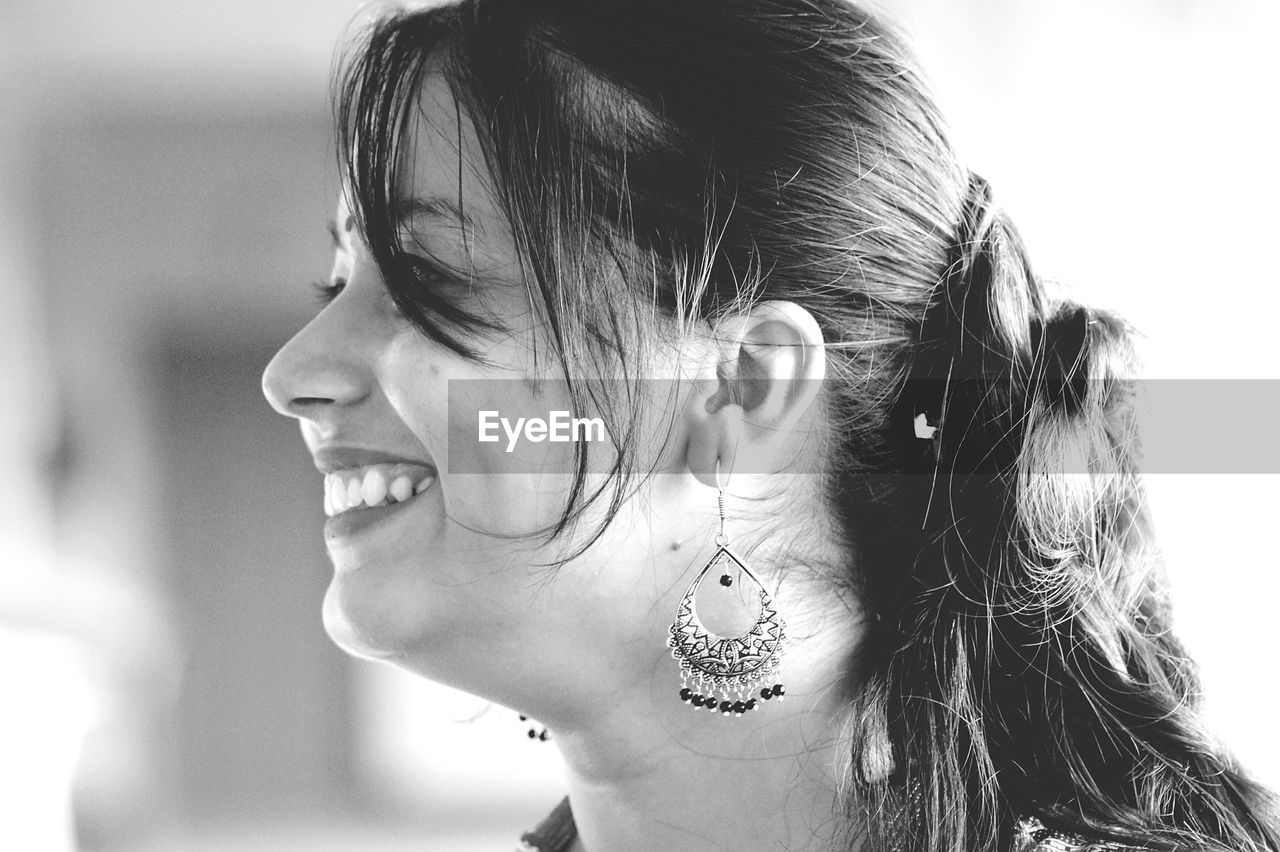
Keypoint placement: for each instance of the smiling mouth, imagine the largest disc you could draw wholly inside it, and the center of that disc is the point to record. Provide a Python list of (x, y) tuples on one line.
[(374, 486)]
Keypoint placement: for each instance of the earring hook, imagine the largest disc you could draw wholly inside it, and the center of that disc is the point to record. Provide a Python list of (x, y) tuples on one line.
[(721, 538)]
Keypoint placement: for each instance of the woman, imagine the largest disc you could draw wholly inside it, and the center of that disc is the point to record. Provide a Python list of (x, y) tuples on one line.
[(735, 236)]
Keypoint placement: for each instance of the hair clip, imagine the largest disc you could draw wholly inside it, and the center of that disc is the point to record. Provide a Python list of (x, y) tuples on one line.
[(923, 429)]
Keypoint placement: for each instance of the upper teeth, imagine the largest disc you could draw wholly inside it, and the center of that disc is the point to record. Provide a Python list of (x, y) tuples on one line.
[(374, 485)]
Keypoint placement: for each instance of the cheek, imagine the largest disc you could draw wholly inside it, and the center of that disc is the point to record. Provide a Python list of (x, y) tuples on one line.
[(512, 455), (500, 473)]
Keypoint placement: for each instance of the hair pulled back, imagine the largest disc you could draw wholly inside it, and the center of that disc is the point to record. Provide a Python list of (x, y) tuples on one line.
[(720, 152)]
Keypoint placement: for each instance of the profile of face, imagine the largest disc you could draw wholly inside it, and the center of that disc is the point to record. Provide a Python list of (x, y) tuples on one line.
[(738, 199), (448, 582)]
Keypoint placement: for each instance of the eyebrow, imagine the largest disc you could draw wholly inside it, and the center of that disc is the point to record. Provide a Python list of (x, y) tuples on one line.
[(333, 232), (435, 207)]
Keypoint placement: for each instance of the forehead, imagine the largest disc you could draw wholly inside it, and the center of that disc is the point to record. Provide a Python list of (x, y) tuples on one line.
[(442, 179), (443, 152)]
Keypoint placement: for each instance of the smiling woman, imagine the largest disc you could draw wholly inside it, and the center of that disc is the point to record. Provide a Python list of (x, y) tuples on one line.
[(734, 233)]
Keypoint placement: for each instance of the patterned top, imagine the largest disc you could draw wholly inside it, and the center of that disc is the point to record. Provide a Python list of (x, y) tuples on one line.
[(557, 832), (1032, 836)]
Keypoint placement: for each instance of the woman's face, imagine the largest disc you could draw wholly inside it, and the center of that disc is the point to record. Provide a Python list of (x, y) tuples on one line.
[(447, 582)]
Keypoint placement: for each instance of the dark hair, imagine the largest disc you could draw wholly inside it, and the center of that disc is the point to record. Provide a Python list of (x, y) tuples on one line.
[(720, 152)]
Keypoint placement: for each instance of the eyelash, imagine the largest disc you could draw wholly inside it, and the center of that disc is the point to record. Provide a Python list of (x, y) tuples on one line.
[(326, 292), (423, 271)]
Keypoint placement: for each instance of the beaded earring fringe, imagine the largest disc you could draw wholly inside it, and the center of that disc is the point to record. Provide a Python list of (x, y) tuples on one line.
[(534, 733)]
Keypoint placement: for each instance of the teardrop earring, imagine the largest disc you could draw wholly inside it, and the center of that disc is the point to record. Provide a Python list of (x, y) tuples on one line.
[(723, 673)]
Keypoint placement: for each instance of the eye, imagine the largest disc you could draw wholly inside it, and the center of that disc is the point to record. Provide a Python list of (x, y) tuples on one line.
[(422, 271), (326, 291), (433, 280)]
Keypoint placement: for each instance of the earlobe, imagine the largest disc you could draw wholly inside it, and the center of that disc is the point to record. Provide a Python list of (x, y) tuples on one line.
[(715, 434)]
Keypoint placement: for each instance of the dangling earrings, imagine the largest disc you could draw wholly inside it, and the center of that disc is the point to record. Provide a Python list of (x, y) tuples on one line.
[(723, 673), (534, 733)]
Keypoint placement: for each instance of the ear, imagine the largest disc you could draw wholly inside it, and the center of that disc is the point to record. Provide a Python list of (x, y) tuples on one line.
[(753, 408)]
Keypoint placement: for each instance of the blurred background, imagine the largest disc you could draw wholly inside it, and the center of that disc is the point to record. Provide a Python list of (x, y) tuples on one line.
[(165, 179)]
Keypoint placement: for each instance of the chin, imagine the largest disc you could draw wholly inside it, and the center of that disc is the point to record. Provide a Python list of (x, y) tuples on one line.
[(340, 628), (364, 626)]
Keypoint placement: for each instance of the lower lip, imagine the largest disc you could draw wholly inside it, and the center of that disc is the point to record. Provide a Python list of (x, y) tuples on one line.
[(357, 521)]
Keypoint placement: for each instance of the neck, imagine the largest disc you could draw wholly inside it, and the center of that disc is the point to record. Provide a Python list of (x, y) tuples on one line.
[(662, 775)]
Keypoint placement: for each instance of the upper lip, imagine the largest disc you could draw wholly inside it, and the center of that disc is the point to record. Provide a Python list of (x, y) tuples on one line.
[(335, 457)]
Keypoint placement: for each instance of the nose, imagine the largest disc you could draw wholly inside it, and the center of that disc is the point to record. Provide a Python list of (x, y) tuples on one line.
[(316, 372)]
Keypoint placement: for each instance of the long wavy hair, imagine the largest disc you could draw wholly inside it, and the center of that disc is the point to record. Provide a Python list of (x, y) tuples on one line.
[(719, 152)]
